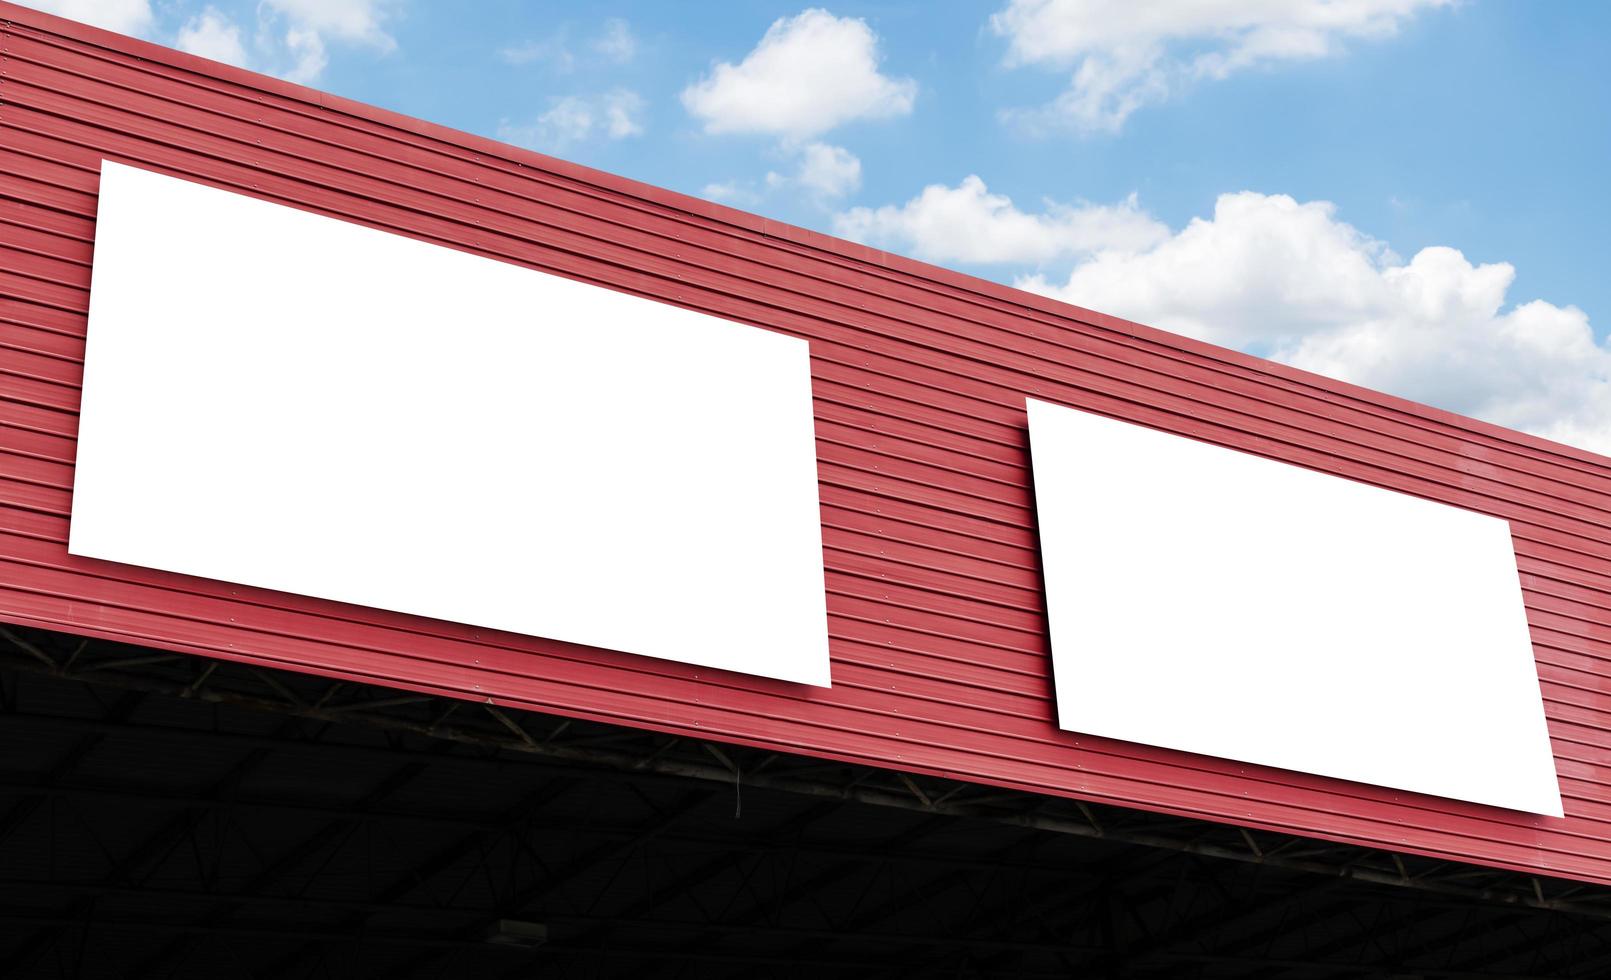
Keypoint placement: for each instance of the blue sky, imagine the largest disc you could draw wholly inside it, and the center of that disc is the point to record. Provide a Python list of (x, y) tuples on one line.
[(1264, 175)]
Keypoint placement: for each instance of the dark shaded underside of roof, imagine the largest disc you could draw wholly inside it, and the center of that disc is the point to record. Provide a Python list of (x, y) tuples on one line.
[(167, 816)]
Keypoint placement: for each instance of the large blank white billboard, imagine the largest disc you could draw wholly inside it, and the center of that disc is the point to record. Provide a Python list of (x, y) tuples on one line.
[(1218, 602), (284, 400)]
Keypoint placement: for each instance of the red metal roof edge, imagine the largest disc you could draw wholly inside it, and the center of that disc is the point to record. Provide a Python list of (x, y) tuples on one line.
[(675, 200)]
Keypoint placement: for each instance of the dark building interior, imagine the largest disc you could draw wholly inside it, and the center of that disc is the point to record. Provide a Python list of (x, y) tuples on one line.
[(167, 816)]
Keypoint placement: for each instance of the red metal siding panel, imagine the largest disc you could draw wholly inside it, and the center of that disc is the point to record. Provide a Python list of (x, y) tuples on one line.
[(935, 612)]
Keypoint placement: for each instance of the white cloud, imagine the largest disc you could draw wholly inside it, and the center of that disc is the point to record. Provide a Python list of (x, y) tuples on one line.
[(821, 175), (307, 52), (352, 21), (299, 31), (569, 120), (623, 111), (810, 73), (617, 43), (210, 34), (1126, 55), (123, 16), (575, 119), (828, 171), (1288, 280), (731, 192), (969, 224), (291, 40), (552, 50), (292, 36)]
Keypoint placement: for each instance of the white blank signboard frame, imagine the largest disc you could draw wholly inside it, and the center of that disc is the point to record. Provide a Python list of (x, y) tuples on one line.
[(1218, 602), (285, 400)]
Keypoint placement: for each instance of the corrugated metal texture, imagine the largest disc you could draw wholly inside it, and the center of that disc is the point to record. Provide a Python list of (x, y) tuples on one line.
[(936, 616)]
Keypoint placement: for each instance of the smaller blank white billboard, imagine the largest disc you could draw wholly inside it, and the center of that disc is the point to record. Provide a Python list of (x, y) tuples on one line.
[(1213, 601), (281, 399)]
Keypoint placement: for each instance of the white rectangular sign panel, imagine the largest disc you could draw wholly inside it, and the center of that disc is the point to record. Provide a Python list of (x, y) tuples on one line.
[(284, 400), (1217, 602)]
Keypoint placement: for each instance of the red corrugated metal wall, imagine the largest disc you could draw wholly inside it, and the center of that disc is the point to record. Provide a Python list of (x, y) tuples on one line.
[(937, 626)]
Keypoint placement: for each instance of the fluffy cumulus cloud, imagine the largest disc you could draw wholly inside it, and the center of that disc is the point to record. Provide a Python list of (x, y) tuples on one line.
[(819, 173), (810, 73), (358, 21), (291, 37), (968, 224), (822, 170), (1289, 280), (1124, 55), (832, 171), (304, 28), (575, 119), (210, 34), (123, 16)]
